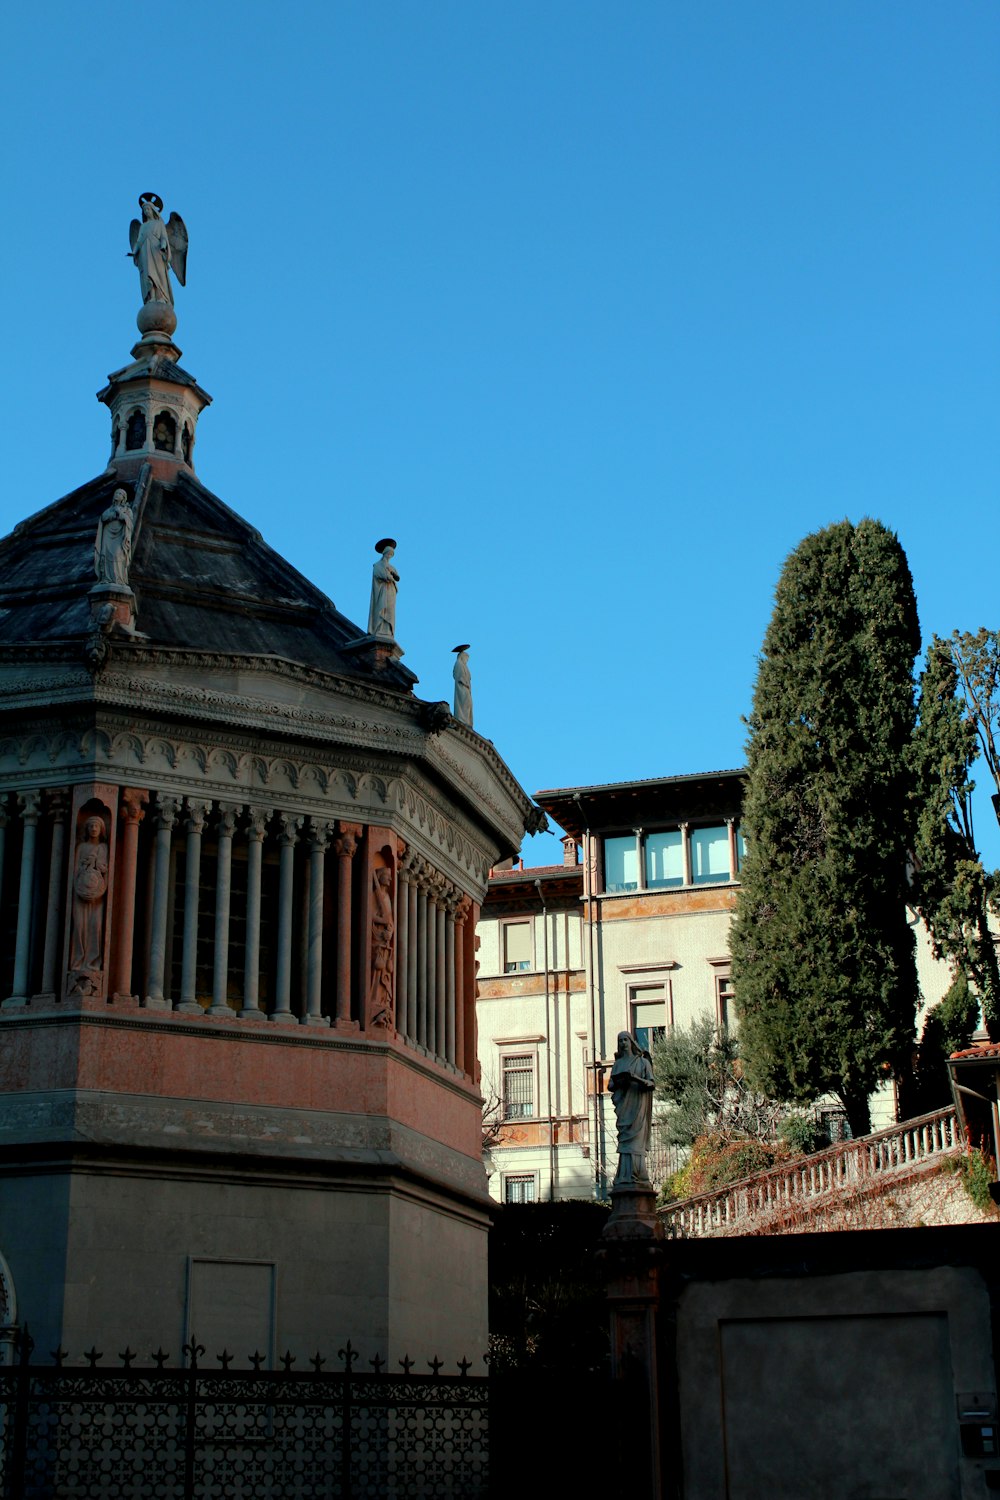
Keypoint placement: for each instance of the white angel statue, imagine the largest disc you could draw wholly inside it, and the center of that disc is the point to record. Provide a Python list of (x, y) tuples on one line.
[(156, 248)]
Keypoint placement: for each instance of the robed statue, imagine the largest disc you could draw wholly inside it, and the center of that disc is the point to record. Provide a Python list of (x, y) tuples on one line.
[(463, 685), (385, 582), (631, 1089), (113, 542), (157, 249)]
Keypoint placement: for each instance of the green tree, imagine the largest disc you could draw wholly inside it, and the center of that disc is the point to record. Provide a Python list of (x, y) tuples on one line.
[(948, 1028), (823, 957), (950, 888), (977, 661), (700, 1080)]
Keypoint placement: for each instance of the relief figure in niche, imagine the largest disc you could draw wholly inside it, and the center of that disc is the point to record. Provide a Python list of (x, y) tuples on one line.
[(186, 443), (385, 581), (631, 1089), (380, 993), (90, 887), (113, 542)]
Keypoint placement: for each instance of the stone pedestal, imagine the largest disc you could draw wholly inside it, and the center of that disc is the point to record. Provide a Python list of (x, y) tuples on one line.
[(375, 652), (112, 604), (633, 1255)]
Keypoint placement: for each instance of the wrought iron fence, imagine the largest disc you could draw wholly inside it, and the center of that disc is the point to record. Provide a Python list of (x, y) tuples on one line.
[(133, 1432)]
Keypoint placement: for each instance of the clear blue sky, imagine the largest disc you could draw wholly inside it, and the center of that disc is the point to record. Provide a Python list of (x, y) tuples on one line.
[(597, 308)]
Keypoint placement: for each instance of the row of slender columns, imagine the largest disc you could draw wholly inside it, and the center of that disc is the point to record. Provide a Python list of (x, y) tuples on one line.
[(430, 965), (195, 814)]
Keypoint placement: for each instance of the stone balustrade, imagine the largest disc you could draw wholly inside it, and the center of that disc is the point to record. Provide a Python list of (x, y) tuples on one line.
[(805, 1185)]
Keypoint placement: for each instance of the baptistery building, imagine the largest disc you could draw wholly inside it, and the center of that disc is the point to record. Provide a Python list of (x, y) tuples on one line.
[(241, 863)]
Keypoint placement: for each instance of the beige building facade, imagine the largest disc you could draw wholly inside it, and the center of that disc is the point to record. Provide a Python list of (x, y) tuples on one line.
[(630, 932)]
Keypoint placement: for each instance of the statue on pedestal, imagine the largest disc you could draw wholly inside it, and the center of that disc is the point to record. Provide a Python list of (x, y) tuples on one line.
[(385, 581), (631, 1089), (463, 685), (158, 248), (113, 542)]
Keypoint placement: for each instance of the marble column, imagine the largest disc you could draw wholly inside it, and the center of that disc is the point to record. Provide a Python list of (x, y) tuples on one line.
[(734, 857), (58, 810), (29, 805), (403, 943), (413, 936), (131, 813), (345, 846), (4, 818), (440, 967), (290, 828), (259, 818), (195, 825), (318, 837), (686, 852), (228, 814), (462, 936), (449, 975), (421, 957), (165, 816)]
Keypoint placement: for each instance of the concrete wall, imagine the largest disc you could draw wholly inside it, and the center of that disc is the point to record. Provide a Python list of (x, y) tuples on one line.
[(836, 1365)]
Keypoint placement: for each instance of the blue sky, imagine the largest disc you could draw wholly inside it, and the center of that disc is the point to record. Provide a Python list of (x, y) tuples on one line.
[(597, 308)]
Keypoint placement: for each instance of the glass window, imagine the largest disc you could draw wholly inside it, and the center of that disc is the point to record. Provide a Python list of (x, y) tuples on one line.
[(709, 855), (518, 1086), (724, 993), (664, 858), (741, 849), (621, 864), (516, 947), (519, 1187), (648, 1004)]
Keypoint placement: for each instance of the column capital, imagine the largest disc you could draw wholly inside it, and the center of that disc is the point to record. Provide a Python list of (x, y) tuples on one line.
[(290, 825), (318, 834), (57, 805), (462, 908), (197, 814), (133, 804), (345, 843), (410, 864), (30, 806), (166, 811), (257, 820), (228, 814)]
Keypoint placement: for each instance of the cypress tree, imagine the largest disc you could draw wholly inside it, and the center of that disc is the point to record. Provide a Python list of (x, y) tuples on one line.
[(823, 957)]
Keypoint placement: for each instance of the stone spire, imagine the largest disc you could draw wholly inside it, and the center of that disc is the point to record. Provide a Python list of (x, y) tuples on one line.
[(154, 403)]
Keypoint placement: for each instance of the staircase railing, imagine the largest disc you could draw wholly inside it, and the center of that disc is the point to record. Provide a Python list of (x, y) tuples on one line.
[(804, 1185)]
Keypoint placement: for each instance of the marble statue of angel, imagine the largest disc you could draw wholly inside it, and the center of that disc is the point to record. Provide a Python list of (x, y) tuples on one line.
[(158, 248)]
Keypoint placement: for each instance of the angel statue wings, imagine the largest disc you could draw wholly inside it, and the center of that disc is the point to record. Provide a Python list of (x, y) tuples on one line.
[(156, 248)]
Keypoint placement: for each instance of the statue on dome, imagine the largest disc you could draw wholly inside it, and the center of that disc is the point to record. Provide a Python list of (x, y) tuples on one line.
[(385, 581), (463, 685), (158, 248), (113, 542)]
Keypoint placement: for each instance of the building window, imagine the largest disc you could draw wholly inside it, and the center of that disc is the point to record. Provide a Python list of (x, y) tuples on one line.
[(741, 850), (519, 1187), (518, 1085), (621, 864), (709, 855), (664, 854), (724, 994), (648, 1013), (516, 947)]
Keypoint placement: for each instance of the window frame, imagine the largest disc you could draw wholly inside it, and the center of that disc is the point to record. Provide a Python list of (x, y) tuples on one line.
[(528, 1050), (523, 1177), (519, 966)]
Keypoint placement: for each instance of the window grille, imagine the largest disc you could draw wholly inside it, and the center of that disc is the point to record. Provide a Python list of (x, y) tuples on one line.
[(518, 1086)]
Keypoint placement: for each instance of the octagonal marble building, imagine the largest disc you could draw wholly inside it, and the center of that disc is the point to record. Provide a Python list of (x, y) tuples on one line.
[(240, 868)]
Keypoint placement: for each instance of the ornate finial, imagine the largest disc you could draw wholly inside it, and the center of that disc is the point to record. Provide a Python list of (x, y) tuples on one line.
[(157, 248)]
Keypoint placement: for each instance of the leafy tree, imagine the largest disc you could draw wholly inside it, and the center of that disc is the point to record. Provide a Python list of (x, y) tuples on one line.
[(823, 958), (977, 661), (700, 1078), (950, 888)]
